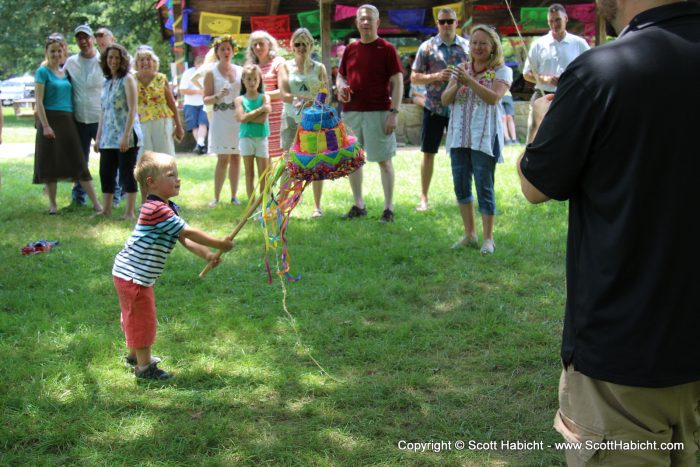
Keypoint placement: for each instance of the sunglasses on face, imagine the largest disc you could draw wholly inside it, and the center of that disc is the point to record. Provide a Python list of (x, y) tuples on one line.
[(446, 21), (299, 44)]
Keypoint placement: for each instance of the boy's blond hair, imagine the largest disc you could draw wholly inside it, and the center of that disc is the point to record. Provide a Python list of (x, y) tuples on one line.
[(152, 164)]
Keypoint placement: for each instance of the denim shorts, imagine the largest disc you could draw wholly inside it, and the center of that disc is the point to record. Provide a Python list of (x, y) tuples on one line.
[(195, 116), (466, 163)]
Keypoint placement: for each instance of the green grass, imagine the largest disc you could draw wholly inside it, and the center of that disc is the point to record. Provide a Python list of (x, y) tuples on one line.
[(17, 129), (422, 343)]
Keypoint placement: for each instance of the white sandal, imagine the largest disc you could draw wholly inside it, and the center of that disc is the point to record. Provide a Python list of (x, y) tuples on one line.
[(465, 241), (488, 247)]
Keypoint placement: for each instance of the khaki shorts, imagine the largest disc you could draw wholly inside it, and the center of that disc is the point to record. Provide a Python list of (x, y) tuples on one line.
[(369, 129), (626, 425)]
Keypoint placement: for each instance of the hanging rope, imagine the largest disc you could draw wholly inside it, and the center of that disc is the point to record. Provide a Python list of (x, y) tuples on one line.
[(535, 71)]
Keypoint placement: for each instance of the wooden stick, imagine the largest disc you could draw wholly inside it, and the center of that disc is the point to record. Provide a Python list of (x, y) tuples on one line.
[(246, 215)]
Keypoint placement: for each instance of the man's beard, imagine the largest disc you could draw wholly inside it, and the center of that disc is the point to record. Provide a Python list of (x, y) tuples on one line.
[(608, 10)]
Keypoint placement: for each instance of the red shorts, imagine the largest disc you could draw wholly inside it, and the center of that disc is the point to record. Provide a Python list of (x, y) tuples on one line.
[(138, 306)]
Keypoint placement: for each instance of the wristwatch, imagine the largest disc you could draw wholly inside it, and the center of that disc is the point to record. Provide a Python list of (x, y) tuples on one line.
[(394, 111)]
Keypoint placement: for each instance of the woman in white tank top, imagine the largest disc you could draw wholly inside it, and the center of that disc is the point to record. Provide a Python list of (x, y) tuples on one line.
[(222, 84)]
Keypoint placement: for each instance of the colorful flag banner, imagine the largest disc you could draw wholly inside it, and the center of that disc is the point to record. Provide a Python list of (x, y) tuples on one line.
[(411, 20), (533, 17), (272, 24), (194, 40), (508, 30), (583, 12), (489, 7), (341, 33), (311, 20), (216, 24), (344, 12), (589, 29), (186, 18)]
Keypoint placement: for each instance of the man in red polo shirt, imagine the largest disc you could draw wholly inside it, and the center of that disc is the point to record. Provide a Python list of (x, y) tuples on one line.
[(370, 86)]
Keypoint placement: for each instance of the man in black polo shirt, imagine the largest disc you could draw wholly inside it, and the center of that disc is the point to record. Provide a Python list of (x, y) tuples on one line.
[(615, 144)]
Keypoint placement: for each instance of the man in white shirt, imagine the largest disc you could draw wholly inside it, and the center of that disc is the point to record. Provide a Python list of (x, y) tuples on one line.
[(87, 78), (195, 116), (550, 54)]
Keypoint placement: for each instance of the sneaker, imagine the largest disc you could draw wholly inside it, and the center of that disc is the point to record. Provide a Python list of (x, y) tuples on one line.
[(235, 201), (152, 372), (316, 214), (387, 216), (355, 212), (201, 150), (131, 360)]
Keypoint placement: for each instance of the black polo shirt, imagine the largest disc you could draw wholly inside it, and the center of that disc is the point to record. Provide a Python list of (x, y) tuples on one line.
[(620, 143)]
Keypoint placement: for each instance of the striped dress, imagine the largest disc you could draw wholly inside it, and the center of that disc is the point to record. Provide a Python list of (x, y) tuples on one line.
[(143, 257), (269, 72)]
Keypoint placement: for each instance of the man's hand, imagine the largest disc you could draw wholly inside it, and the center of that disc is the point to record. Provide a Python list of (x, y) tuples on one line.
[(444, 75), (390, 123), (539, 110)]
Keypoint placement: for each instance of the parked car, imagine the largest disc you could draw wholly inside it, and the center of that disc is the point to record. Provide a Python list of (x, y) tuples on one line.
[(16, 88)]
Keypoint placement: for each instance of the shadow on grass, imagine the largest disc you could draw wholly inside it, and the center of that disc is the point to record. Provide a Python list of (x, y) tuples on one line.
[(422, 343)]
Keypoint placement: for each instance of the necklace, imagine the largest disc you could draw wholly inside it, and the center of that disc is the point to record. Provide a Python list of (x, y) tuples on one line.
[(479, 71)]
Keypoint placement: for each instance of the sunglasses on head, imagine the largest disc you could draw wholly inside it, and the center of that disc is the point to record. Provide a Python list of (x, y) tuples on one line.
[(446, 21)]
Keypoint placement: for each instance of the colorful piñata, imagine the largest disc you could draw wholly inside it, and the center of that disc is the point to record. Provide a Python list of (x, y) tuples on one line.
[(323, 150)]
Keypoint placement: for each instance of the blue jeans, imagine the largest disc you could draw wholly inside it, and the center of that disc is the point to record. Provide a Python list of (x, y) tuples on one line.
[(87, 133), (466, 163)]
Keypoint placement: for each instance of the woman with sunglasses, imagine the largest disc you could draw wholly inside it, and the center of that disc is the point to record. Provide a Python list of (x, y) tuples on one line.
[(58, 151), (300, 79), (158, 111), (474, 132), (262, 50), (222, 84)]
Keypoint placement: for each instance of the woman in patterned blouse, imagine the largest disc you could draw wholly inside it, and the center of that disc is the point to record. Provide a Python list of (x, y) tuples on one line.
[(474, 132), (157, 108)]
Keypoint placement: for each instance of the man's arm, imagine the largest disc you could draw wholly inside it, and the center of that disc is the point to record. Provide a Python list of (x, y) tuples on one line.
[(427, 78), (396, 83), (531, 193), (539, 110)]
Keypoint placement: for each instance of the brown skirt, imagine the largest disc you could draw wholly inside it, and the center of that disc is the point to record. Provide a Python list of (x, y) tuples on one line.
[(59, 159)]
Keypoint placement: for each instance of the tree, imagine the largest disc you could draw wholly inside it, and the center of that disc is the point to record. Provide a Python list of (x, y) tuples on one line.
[(24, 26)]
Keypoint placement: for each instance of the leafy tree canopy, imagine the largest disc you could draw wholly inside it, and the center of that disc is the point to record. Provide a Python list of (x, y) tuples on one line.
[(25, 24)]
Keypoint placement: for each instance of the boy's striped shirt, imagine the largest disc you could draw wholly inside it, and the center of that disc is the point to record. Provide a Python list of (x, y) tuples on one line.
[(143, 257)]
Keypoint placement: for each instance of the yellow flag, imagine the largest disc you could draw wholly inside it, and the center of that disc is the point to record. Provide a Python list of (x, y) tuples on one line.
[(217, 25)]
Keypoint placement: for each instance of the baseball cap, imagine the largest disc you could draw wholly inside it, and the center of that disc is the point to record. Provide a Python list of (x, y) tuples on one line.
[(84, 28)]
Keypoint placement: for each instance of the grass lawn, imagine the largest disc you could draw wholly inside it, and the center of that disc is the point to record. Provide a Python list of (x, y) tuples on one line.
[(421, 343), (17, 129)]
